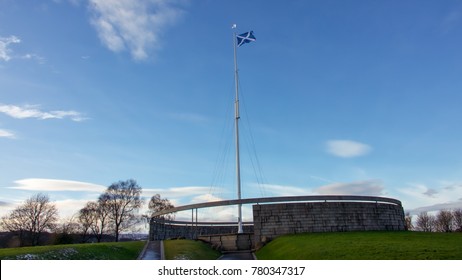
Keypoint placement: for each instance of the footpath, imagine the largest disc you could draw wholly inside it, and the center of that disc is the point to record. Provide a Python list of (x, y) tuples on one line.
[(154, 250)]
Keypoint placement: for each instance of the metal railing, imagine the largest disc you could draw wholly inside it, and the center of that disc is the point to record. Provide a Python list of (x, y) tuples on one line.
[(261, 200)]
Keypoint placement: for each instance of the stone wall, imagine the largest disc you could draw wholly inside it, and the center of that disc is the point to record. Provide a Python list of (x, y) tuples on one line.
[(230, 242), (321, 214), (272, 220), (163, 231)]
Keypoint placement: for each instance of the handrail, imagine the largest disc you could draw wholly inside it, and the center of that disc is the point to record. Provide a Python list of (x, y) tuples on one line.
[(174, 222), (326, 198)]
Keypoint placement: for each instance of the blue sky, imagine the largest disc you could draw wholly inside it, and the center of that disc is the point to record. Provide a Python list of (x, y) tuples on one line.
[(340, 97)]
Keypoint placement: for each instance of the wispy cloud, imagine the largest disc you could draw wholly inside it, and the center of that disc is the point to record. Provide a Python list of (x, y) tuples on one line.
[(177, 192), (4, 204), (437, 207), (133, 25), (217, 214), (322, 179), (33, 111), (6, 134), (5, 207), (430, 192), (437, 196), (66, 207), (31, 56), (367, 187), (53, 185), (5, 50), (179, 196), (70, 207), (347, 148), (205, 198)]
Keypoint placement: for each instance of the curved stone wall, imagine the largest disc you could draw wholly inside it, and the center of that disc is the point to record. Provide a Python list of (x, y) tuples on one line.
[(272, 220), (159, 230), (275, 216)]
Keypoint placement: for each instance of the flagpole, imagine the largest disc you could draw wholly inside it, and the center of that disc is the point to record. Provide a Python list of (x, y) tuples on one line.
[(236, 121)]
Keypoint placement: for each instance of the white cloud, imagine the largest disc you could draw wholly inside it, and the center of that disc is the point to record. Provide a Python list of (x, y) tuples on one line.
[(180, 196), (69, 207), (218, 214), (347, 148), (205, 198), (33, 111), (66, 207), (32, 56), (6, 133), (4, 204), (52, 185), (133, 25), (177, 192), (431, 192), (5, 42), (421, 196), (437, 207), (368, 187), (6, 53), (314, 177)]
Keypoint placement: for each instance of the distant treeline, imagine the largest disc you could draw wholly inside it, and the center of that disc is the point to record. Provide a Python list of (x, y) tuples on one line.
[(114, 216), (442, 221)]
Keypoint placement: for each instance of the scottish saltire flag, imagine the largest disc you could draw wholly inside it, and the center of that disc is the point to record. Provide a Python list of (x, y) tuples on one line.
[(245, 38)]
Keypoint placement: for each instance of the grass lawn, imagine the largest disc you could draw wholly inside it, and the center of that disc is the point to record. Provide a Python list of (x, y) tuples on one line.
[(183, 249), (94, 251), (364, 246)]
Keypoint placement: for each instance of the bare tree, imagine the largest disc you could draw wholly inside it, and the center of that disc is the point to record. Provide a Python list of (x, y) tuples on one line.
[(69, 225), (457, 215), (408, 221), (86, 219), (35, 216), (425, 222), (157, 204), (66, 230), (95, 217), (124, 200), (444, 221), (15, 222)]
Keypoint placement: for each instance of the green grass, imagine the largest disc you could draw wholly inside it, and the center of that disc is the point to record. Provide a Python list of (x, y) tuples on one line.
[(309, 246), (189, 250), (95, 251), (364, 246)]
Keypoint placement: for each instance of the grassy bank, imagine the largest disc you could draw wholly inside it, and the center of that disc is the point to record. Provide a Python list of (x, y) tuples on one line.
[(189, 250), (364, 246), (95, 251), (310, 246)]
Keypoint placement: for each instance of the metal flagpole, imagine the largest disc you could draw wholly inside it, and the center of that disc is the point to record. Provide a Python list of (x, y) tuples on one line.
[(236, 121)]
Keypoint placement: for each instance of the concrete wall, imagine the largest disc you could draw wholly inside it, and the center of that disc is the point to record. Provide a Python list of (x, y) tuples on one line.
[(272, 220)]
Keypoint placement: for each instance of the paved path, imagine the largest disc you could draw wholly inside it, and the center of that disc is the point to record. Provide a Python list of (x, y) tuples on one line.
[(152, 251)]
